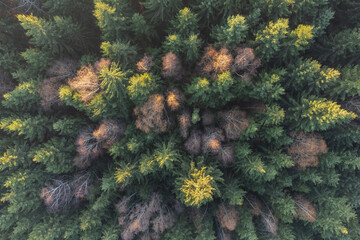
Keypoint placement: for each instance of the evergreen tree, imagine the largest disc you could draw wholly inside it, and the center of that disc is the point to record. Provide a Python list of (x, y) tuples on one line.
[(178, 120)]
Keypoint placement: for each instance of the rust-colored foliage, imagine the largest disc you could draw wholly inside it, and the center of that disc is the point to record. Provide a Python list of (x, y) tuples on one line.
[(270, 222), (245, 63), (304, 208), (255, 204), (152, 116), (102, 63), (172, 67), (222, 60), (145, 220), (215, 61), (88, 149), (108, 132), (234, 122), (211, 140), (226, 155), (145, 64), (306, 148), (86, 83), (6, 85), (175, 99), (207, 118), (193, 143), (205, 63), (184, 120), (227, 216)]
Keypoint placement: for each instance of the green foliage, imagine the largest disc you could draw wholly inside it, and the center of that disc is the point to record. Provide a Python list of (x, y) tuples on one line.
[(141, 28), (246, 228), (111, 22), (311, 77), (327, 223), (31, 128), (68, 126), (181, 231), (269, 40), (214, 93), (184, 46), (56, 155), (269, 87), (320, 114), (232, 34), (23, 98), (185, 23), (124, 174), (141, 86), (161, 10), (72, 98), (113, 84), (277, 38), (165, 155), (58, 37), (37, 60), (260, 135), (233, 192), (342, 47), (348, 85), (120, 51), (199, 185)]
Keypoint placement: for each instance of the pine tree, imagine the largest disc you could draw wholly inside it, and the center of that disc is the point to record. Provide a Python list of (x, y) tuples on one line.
[(159, 119), (54, 36)]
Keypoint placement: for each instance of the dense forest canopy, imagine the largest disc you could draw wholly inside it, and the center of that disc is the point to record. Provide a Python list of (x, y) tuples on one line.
[(179, 119)]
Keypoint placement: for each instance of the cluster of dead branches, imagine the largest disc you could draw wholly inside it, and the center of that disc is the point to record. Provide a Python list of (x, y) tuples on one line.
[(86, 81), (258, 208), (90, 143), (214, 62), (306, 148), (145, 64), (175, 99), (234, 122), (304, 208), (245, 63), (184, 120), (228, 216), (59, 71), (211, 140), (152, 115), (65, 191), (109, 132), (144, 220), (172, 67), (214, 140)]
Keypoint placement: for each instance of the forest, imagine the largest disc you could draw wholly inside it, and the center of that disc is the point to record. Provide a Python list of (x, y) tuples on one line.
[(179, 119)]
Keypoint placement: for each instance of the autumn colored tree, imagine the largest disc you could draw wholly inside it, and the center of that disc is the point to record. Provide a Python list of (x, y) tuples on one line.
[(152, 116), (306, 148), (86, 83), (172, 67)]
